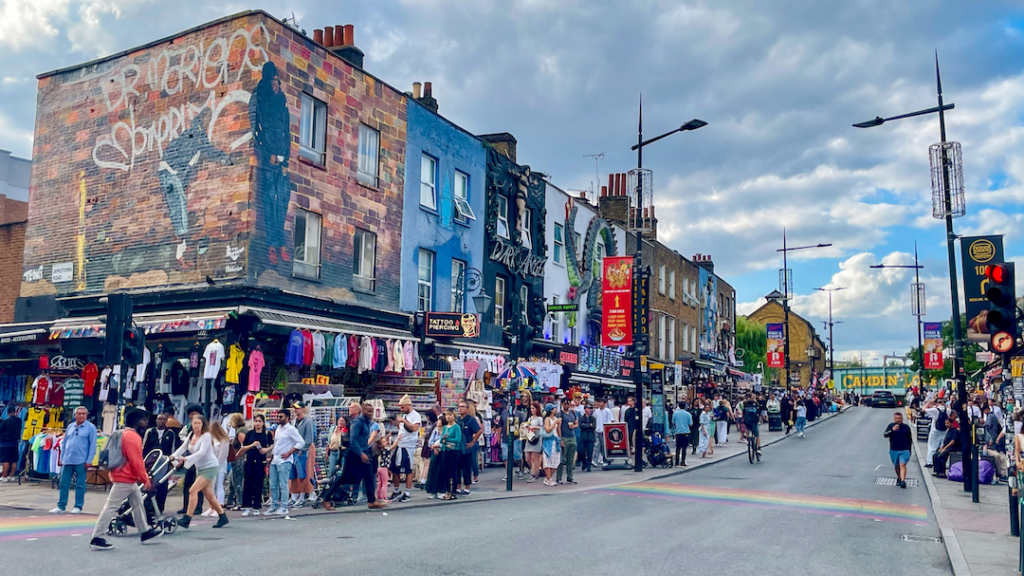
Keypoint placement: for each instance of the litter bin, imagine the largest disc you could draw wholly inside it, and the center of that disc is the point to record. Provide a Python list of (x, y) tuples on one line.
[(774, 421)]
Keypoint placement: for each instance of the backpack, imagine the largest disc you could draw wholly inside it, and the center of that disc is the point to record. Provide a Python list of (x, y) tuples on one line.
[(112, 457), (940, 424), (751, 413)]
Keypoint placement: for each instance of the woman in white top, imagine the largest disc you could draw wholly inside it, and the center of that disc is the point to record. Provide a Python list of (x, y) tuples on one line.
[(202, 455), (221, 450)]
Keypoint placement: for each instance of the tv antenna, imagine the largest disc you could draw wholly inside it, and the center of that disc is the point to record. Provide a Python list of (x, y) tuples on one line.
[(597, 173)]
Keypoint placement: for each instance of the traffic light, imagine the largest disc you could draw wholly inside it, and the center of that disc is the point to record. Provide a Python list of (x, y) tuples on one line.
[(134, 344), (1002, 315), (119, 316)]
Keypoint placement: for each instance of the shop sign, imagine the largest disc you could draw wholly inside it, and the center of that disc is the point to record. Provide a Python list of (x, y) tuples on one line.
[(616, 440), (601, 361), (626, 367), (977, 252), (678, 374), (518, 259), (776, 346), (555, 308), (616, 286), (932, 345), (570, 356), (64, 272), (323, 380), (21, 338), (452, 325)]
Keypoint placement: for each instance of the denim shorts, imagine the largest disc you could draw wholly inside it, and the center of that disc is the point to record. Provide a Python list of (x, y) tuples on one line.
[(899, 456), (298, 466)]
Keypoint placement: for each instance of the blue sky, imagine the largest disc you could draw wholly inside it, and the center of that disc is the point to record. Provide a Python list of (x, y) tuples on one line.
[(779, 82)]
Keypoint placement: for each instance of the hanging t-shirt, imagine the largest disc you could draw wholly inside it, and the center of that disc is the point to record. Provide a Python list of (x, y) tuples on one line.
[(293, 356), (407, 352), (307, 348), (399, 356), (56, 397), (214, 356), (340, 351), (35, 420), (318, 348), (234, 365), (74, 392), (179, 377), (140, 369), (163, 383), (388, 352), (328, 350), (229, 394), (41, 389), (255, 370), (248, 401), (89, 375), (355, 350), (365, 356), (194, 357)]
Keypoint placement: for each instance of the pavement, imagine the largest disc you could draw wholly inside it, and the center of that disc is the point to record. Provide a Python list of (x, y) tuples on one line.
[(811, 506), (977, 536)]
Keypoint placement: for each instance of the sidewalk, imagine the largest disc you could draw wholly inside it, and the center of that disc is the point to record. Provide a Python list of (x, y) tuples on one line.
[(40, 497), (977, 536)]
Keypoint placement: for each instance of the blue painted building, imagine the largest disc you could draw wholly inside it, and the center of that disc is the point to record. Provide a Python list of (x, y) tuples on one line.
[(443, 222)]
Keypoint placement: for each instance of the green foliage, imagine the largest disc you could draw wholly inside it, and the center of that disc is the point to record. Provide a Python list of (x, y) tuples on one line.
[(971, 349)]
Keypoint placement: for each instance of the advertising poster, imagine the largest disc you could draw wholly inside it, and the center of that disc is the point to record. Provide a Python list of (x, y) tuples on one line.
[(708, 293), (776, 346), (452, 324), (978, 252), (616, 299), (616, 441), (933, 346)]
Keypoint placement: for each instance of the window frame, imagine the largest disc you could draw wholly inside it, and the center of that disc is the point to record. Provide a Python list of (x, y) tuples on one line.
[(460, 199), (499, 300), (310, 127), (526, 236), (301, 266), (556, 322), (457, 306), (558, 237), (662, 326), (672, 284), (363, 159), (361, 281), (424, 158), (661, 279), (425, 303), (671, 339), (501, 218)]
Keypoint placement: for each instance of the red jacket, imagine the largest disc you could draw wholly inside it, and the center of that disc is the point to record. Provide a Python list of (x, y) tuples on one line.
[(134, 469)]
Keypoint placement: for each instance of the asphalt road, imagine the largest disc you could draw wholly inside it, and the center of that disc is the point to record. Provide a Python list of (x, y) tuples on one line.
[(810, 507)]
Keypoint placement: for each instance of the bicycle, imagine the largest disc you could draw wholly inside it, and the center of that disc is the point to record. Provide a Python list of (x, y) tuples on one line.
[(752, 448)]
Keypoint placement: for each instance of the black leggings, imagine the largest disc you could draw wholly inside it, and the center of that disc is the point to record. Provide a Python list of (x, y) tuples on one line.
[(682, 443), (252, 485)]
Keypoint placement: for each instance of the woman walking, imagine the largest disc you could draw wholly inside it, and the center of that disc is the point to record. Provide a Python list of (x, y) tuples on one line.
[(722, 414), (801, 417), (450, 448), (236, 482), (221, 449), (252, 456), (552, 450), (203, 457), (334, 446), (706, 424), (532, 448)]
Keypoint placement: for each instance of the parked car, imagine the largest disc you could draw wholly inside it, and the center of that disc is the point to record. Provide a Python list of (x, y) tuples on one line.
[(883, 399)]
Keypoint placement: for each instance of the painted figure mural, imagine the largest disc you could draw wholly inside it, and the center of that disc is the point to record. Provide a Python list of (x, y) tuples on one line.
[(271, 130)]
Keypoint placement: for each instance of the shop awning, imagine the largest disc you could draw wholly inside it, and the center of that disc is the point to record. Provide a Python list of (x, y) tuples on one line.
[(453, 349), (602, 381), (704, 364), (154, 323), (735, 372), (295, 320)]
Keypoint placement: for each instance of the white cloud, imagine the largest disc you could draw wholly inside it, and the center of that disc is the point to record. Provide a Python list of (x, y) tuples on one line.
[(30, 23)]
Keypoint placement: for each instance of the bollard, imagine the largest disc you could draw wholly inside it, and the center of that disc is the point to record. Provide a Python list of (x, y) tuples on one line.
[(1014, 508), (974, 473)]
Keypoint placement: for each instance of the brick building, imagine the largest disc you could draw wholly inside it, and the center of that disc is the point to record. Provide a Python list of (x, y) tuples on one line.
[(803, 337), (13, 219)]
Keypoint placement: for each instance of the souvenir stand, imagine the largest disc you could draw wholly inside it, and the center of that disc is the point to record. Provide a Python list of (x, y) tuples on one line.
[(325, 413)]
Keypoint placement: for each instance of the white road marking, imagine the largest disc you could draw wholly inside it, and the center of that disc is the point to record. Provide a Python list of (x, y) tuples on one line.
[(877, 467)]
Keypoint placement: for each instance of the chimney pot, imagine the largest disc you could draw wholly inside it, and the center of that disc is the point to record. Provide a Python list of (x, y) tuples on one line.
[(416, 90), (328, 37), (611, 184), (428, 90), (318, 37), (350, 35), (339, 35), (604, 191), (583, 195)]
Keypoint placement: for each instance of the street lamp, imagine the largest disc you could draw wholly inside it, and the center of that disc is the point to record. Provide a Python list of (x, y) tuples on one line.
[(830, 323), (640, 340), (787, 280), (917, 307), (947, 202)]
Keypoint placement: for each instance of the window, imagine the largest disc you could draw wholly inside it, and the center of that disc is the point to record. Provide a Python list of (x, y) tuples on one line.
[(428, 180), (662, 325), (503, 217), (671, 339), (686, 337), (369, 151), (661, 279), (598, 264), (463, 211), (307, 244), (524, 304), (579, 245), (499, 301), (686, 291), (693, 339), (526, 218), (672, 284), (559, 243), (458, 281), (365, 248), (425, 281), (556, 322), (312, 129)]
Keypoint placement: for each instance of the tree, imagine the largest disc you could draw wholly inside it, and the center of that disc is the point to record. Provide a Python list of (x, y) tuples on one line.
[(752, 338), (971, 350)]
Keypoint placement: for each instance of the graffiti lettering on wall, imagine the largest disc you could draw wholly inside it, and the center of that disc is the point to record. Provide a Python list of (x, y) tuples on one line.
[(518, 259)]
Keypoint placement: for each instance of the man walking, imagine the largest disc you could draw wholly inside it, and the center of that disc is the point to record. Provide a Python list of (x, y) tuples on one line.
[(287, 442), (77, 451), (408, 421), (124, 481), (786, 409), (602, 416), (936, 410), (163, 439), (681, 423), (900, 441), (300, 481), (570, 422), (359, 458), (588, 427)]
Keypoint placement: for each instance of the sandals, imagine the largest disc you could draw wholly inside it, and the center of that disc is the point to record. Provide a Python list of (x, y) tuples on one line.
[(449, 497)]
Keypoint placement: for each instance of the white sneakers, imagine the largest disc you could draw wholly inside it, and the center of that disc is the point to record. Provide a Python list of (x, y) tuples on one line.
[(250, 512), (58, 510), (76, 510), (279, 512)]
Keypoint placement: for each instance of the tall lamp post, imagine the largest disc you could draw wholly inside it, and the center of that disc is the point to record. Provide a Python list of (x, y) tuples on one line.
[(917, 307), (831, 342), (786, 281), (640, 341), (948, 203)]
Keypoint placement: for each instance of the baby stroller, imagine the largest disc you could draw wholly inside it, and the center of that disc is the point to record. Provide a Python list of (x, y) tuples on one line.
[(334, 490), (160, 471), (658, 452)]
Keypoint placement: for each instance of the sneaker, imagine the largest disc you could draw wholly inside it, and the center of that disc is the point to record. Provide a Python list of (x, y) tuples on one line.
[(431, 496), (299, 504), (476, 480), (464, 492), (405, 498), (76, 510), (150, 534), (570, 481), (100, 544), (280, 512), (58, 510), (246, 513), (256, 513), (531, 479)]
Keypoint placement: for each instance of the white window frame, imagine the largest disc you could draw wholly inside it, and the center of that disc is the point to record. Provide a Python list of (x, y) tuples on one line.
[(556, 322), (367, 167), (502, 218), (500, 295), (559, 241), (661, 279), (425, 280), (365, 260), (527, 222), (686, 337), (672, 284), (694, 339), (463, 211), (662, 325), (671, 339), (306, 254), (313, 129), (458, 269), (524, 299), (428, 182)]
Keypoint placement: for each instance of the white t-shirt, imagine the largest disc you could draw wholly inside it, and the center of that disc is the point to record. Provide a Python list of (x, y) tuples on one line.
[(214, 356), (602, 416), (407, 439), (801, 412), (140, 369)]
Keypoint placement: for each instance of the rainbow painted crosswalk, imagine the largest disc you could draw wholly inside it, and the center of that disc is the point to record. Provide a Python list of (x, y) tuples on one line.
[(45, 526), (802, 503)]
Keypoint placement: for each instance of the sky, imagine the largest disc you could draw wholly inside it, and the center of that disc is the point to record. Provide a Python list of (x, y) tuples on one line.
[(780, 83)]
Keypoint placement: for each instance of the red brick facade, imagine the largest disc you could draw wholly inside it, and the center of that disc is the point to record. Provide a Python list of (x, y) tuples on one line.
[(13, 214)]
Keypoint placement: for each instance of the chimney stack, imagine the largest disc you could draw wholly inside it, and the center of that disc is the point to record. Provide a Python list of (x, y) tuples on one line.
[(350, 35), (416, 90), (427, 99), (318, 36), (328, 37), (341, 41), (604, 191)]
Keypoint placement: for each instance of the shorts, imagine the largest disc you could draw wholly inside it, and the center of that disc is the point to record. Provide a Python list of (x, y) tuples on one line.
[(299, 466), (9, 453), (401, 461), (754, 430), (899, 457), (517, 449), (208, 473)]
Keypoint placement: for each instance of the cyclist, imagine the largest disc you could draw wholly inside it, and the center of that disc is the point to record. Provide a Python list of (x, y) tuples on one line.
[(752, 418)]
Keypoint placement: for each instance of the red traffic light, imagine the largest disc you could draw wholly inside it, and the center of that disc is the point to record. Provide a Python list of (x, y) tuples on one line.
[(996, 273)]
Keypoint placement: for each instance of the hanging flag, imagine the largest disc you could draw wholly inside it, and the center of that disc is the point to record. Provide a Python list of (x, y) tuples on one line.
[(776, 346), (933, 346)]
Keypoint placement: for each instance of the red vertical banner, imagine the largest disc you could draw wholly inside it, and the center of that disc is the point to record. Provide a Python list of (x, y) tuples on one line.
[(776, 345), (933, 346), (616, 301)]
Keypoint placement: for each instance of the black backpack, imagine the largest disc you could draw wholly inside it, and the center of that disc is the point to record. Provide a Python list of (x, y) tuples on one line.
[(940, 423)]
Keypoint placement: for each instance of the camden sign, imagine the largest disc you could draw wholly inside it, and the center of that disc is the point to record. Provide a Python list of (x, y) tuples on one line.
[(518, 259)]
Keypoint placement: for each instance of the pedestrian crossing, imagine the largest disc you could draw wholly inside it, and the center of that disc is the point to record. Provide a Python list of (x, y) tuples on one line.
[(45, 526)]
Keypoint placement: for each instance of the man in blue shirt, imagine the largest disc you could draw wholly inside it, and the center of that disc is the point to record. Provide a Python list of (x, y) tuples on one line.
[(77, 451), (681, 422), (359, 462)]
